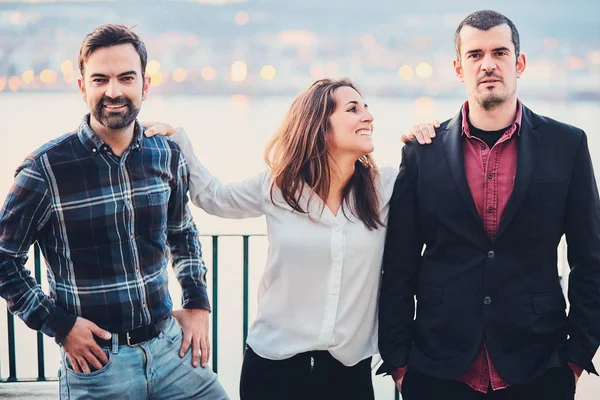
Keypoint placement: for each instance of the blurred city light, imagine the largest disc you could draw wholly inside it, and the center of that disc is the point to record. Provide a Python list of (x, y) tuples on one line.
[(242, 18), (66, 67), (268, 72), (575, 62), (208, 73), (27, 76), (405, 72), (2, 83), (424, 70), (13, 83), (368, 40), (179, 75), (239, 71), (48, 77), (156, 79), (152, 67)]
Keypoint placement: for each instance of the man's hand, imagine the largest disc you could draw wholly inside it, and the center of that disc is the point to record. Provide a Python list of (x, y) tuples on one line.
[(82, 349), (422, 132), (194, 324)]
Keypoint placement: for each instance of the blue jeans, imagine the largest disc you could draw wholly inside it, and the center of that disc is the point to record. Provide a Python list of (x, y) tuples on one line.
[(151, 370)]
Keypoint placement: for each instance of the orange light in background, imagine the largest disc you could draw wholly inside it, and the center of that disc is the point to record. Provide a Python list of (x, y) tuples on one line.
[(239, 71), (179, 75), (424, 70), (152, 67), (575, 62), (423, 103), (48, 77), (156, 79), (242, 18), (268, 72), (27, 76), (368, 40), (66, 67), (406, 73), (317, 72), (208, 73), (13, 83), (2, 83)]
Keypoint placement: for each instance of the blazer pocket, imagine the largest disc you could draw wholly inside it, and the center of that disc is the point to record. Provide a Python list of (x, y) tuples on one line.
[(543, 303), (430, 295), (545, 186)]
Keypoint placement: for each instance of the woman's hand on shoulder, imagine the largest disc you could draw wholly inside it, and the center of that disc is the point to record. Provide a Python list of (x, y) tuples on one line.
[(422, 132), (157, 128)]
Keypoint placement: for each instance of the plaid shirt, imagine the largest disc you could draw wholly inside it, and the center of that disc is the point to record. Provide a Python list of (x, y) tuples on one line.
[(105, 225)]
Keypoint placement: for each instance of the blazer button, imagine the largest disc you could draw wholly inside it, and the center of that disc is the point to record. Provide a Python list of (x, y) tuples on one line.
[(487, 300), (491, 254)]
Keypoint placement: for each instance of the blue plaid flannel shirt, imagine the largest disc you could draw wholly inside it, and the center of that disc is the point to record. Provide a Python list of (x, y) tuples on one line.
[(106, 226)]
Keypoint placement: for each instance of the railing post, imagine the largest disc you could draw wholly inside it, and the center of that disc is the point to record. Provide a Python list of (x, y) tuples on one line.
[(215, 304), (245, 291), (40, 336), (12, 360)]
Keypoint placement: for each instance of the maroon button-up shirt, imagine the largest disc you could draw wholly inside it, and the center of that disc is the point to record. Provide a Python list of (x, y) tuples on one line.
[(491, 183)]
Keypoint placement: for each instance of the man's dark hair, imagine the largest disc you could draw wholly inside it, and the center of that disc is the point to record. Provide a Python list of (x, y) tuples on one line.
[(485, 20), (111, 35)]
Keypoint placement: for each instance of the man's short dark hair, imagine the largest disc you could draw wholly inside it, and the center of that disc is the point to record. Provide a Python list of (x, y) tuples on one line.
[(485, 20), (111, 35)]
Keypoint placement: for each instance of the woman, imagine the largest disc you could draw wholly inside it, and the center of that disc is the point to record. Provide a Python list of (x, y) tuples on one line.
[(325, 205)]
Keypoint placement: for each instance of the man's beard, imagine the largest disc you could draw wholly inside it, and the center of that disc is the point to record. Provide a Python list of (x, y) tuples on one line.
[(115, 120), (492, 100)]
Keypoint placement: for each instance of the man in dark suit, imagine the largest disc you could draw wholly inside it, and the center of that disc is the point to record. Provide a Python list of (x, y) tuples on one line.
[(490, 200)]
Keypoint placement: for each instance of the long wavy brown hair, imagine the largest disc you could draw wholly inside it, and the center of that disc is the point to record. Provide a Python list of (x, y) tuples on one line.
[(298, 155)]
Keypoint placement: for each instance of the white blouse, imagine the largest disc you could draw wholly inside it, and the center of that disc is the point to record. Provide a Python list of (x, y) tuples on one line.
[(320, 286)]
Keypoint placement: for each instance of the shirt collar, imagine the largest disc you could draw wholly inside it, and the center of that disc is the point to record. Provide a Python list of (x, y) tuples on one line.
[(516, 125), (93, 143)]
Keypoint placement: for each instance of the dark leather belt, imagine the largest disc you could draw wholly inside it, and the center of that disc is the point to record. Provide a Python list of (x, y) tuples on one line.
[(136, 336)]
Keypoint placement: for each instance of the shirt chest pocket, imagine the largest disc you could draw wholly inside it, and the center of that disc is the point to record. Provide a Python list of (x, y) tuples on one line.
[(151, 213)]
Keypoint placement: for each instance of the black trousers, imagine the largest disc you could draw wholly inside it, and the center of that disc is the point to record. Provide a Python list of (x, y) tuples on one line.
[(314, 375), (554, 384)]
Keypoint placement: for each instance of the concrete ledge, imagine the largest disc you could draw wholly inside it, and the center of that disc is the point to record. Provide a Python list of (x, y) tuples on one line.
[(29, 390)]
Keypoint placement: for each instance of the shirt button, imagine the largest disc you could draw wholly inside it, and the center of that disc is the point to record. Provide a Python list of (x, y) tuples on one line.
[(487, 300), (490, 209), (490, 176), (93, 150), (105, 148), (491, 254), (131, 237), (483, 147)]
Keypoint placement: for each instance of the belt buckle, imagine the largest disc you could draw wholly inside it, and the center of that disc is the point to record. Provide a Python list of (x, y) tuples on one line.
[(128, 339)]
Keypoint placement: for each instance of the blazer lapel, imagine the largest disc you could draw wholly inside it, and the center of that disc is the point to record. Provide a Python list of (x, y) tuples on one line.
[(454, 154), (529, 140)]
